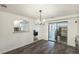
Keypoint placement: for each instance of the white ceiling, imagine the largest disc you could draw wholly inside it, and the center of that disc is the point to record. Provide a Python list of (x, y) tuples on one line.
[(48, 10)]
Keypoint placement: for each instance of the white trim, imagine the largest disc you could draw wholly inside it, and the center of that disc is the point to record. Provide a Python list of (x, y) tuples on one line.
[(63, 18)]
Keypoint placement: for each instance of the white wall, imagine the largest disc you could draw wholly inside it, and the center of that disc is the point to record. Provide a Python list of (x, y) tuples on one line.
[(8, 39), (72, 31)]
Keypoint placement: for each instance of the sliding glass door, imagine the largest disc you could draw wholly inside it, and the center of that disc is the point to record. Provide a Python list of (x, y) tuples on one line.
[(52, 31), (56, 30)]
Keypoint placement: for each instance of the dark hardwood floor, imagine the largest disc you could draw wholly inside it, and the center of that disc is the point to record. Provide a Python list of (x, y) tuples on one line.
[(44, 47)]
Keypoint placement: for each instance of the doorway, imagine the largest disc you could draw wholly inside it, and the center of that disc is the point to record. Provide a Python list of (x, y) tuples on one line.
[(58, 31)]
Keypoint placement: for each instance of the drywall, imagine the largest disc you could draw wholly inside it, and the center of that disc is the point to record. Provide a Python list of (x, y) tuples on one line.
[(10, 40), (72, 31)]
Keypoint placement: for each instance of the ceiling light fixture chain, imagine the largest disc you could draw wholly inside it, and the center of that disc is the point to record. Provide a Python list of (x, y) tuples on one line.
[(41, 21), (40, 15)]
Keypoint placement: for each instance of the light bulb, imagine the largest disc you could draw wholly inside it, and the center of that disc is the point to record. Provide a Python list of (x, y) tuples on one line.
[(43, 20)]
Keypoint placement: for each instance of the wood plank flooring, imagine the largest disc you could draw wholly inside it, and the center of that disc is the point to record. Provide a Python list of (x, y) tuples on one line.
[(44, 47)]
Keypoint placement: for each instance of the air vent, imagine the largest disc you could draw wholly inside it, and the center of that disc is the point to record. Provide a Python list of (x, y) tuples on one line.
[(2, 5)]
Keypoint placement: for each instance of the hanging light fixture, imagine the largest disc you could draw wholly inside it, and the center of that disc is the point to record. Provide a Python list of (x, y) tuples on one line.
[(41, 21)]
